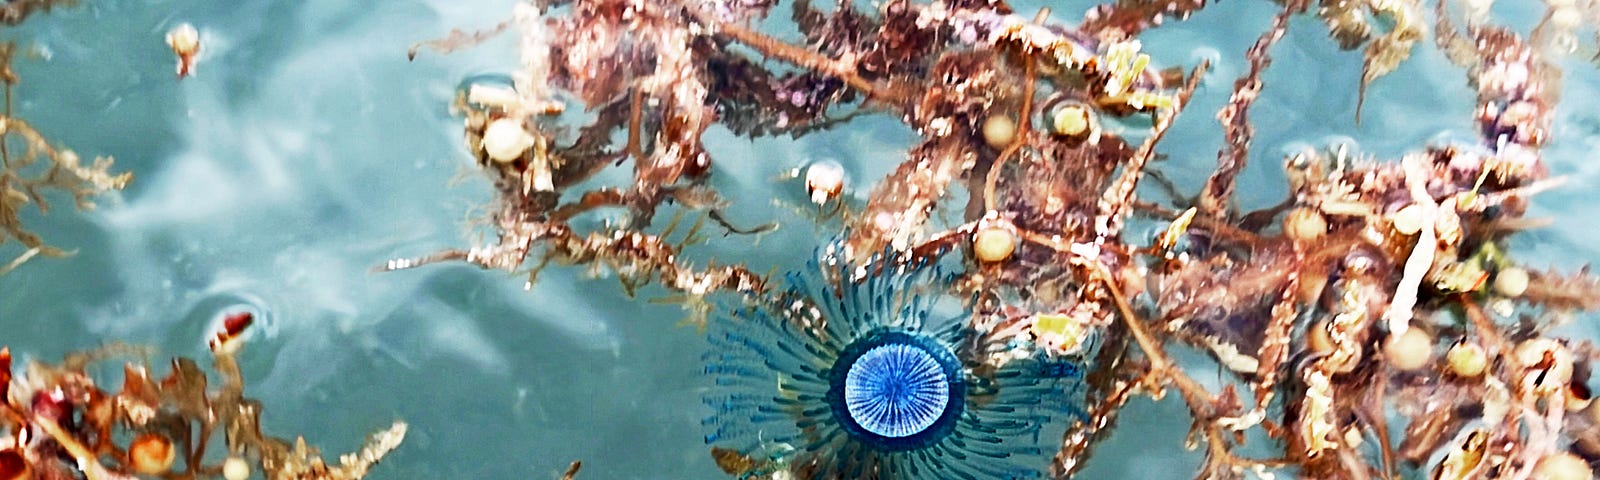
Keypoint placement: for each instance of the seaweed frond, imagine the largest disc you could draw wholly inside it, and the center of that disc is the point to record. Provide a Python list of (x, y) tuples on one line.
[(27, 176), (171, 421)]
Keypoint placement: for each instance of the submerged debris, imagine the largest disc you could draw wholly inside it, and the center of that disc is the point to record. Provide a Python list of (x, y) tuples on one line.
[(1376, 286)]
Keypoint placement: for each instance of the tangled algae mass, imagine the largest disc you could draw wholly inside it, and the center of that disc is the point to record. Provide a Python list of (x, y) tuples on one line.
[(985, 307)]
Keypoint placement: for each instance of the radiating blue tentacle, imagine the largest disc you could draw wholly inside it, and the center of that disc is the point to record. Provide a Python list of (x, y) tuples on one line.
[(798, 368)]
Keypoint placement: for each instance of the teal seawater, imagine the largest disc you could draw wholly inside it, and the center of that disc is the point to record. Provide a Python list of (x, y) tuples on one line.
[(307, 149)]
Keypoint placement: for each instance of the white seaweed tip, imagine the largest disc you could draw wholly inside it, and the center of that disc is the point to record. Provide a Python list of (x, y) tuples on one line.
[(824, 181), (494, 97), (185, 43), (184, 39)]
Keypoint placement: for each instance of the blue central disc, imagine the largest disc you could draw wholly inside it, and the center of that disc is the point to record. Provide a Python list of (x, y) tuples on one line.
[(896, 390)]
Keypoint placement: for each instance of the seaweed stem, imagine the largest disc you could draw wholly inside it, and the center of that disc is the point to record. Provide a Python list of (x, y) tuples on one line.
[(1114, 203), (1024, 123), (1235, 117), (844, 68)]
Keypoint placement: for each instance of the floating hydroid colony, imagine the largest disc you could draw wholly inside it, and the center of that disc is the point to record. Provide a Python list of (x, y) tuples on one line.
[(849, 373)]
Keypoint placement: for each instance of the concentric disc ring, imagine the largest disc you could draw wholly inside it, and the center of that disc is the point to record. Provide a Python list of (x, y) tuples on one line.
[(897, 391)]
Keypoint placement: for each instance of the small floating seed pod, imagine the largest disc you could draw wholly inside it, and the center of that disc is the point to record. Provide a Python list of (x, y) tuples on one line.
[(999, 131), (1408, 220), (1511, 282), (1073, 120), (847, 367), (1410, 350), (1467, 359), (151, 454), (505, 140), (235, 468), (995, 240), (1304, 225)]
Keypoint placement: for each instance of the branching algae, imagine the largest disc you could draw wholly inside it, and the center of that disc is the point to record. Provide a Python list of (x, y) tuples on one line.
[(1375, 286), (39, 167), (57, 423)]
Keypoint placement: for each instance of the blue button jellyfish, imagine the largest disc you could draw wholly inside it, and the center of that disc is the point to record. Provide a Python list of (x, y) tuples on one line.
[(843, 375)]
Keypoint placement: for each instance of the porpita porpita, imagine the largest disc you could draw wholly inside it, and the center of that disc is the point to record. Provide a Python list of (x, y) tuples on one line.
[(843, 375)]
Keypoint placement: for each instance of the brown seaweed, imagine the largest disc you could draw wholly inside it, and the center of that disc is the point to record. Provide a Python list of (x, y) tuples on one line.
[(1375, 285)]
